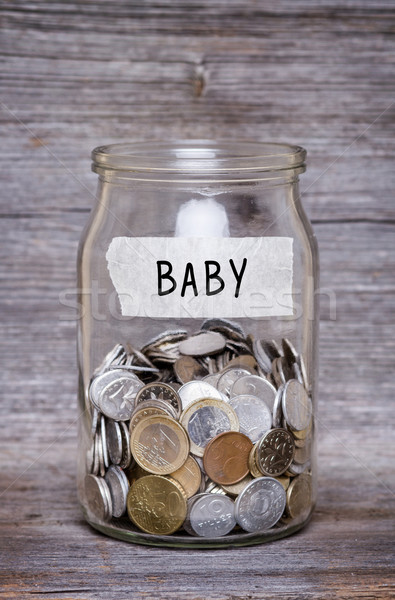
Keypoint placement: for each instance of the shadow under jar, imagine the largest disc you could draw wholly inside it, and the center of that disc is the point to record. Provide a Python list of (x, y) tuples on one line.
[(197, 345)]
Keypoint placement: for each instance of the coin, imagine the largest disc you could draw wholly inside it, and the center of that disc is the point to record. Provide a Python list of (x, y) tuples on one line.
[(275, 452), (260, 505), (159, 444), (203, 343), (95, 420), (303, 453), (187, 368), (225, 457), (284, 480), (231, 328), (189, 476), (296, 405), (103, 435), (99, 452), (212, 379), (119, 486), (278, 372), (228, 378), (157, 505), (99, 383), (255, 418), (299, 497), (143, 411), (159, 391), (278, 408), (289, 351), (255, 386), (98, 497), (126, 459), (255, 472), (212, 515), (296, 469), (212, 488), (90, 458), (263, 359), (196, 390), (243, 361), (237, 488), (206, 418), (116, 400)]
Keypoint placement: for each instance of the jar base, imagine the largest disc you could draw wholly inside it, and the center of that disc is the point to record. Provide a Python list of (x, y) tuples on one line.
[(122, 529)]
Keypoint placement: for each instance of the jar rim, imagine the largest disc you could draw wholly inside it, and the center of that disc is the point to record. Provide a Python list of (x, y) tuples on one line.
[(199, 156)]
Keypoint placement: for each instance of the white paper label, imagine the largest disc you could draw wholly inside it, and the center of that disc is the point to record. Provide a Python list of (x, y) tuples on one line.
[(196, 277)]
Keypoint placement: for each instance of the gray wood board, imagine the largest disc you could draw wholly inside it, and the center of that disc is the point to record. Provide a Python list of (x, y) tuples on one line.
[(78, 74)]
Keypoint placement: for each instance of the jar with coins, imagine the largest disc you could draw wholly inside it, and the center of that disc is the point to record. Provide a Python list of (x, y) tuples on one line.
[(197, 345)]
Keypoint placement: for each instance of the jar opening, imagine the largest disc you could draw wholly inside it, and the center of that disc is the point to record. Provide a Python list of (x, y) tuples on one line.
[(199, 157)]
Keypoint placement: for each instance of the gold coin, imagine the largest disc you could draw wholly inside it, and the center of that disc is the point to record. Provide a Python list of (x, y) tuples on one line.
[(135, 472), (255, 472), (189, 476), (205, 418), (159, 444), (237, 488), (143, 411), (157, 504), (299, 496), (302, 435), (284, 480)]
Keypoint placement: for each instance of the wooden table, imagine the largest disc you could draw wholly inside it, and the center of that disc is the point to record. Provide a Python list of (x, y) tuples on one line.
[(78, 74)]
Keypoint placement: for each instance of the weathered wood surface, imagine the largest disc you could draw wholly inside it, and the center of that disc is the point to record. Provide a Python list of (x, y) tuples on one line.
[(78, 74)]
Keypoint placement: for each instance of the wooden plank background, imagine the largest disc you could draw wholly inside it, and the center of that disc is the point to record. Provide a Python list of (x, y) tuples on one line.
[(78, 74)]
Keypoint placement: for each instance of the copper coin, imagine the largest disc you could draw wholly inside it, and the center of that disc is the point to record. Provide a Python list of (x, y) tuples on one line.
[(225, 458), (187, 369)]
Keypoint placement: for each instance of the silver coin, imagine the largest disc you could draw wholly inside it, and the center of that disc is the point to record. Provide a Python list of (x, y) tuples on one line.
[(262, 357), (228, 378), (90, 457), (190, 502), (98, 497), (203, 344), (212, 515), (296, 405), (116, 400), (295, 469), (196, 390), (96, 465), (223, 325), (289, 351), (255, 386), (278, 372), (119, 486), (114, 442), (212, 379), (297, 373), (103, 435), (95, 420), (260, 505), (99, 449), (98, 383), (126, 459), (255, 417), (115, 357), (136, 368), (303, 372), (271, 349), (278, 408)]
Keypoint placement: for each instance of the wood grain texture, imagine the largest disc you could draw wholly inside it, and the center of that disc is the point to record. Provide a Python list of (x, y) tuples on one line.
[(78, 74)]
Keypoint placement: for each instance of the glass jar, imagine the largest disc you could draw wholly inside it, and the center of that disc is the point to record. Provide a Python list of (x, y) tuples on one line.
[(197, 345)]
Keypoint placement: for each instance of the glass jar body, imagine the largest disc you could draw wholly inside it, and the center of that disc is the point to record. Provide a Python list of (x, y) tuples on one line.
[(198, 234)]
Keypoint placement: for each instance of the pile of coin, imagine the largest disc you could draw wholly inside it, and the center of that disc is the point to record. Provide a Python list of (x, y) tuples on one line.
[(209, 432)]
